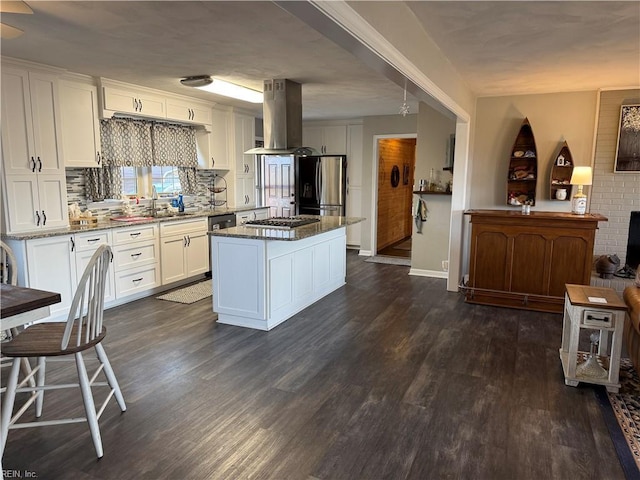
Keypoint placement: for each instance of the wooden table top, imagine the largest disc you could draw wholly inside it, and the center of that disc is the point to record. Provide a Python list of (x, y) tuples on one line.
[(15, 300), (579, 295)]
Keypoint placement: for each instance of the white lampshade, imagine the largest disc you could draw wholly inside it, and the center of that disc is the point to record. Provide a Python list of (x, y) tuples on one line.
[(581, 176)]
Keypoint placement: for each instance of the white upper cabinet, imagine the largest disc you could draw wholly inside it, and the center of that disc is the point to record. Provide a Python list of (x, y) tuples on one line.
[(136, 102), (35, 190), (31, 140), (185, 111), (79, 112), (214, 145), (244, 139), (354, 156), (328, 140), (219, 139)]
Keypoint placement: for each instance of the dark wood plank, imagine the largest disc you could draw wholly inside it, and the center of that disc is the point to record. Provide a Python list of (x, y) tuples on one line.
[(16, 300), (388, 377)]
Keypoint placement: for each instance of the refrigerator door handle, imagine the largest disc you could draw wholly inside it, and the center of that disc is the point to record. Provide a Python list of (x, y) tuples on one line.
[(318, 181)]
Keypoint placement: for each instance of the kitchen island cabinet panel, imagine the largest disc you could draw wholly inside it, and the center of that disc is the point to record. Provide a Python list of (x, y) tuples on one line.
[(261, 283), (239, 288), (525, 261)]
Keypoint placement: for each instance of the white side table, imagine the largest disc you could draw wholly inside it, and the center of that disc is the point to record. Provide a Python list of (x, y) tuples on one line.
[(598, 309)]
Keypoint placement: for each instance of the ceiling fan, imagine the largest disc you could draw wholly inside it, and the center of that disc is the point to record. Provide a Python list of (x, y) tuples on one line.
[(7, 32)]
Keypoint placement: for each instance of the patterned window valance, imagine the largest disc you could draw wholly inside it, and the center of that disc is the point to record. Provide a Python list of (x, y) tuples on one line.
[(126, 142), (174, 145), (140, 143)]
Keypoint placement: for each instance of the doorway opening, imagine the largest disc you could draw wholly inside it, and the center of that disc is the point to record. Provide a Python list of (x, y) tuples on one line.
[(396, 166)]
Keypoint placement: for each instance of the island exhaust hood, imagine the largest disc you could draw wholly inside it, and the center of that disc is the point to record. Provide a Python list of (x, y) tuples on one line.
[(282, 117)]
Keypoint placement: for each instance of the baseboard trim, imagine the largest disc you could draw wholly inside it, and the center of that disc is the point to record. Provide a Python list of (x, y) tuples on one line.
[(418, 272), (365, 253)]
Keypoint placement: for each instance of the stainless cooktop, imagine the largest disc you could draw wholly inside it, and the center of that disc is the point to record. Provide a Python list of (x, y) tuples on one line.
[(281, 222)]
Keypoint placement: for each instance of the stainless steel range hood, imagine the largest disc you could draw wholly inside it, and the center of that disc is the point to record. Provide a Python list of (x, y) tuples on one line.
[(282, 117)]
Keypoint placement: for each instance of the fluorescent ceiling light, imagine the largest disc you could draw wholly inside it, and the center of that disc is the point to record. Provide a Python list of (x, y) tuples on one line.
[(227, 89)]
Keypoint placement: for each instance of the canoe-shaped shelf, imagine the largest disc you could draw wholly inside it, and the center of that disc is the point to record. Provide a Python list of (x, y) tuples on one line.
[(561, 171), (523, 168)]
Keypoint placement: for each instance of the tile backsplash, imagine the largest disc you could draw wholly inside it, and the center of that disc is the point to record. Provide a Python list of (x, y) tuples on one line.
[(76, 193)]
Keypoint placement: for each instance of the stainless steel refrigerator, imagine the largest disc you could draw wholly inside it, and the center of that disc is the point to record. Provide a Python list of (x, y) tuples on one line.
[(320, 184)]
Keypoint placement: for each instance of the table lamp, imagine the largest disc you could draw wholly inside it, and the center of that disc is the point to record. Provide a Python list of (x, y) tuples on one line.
[(580, 176)]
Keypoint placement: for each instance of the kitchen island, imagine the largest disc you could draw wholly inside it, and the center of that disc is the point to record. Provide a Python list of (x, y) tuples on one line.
[(263, 276)]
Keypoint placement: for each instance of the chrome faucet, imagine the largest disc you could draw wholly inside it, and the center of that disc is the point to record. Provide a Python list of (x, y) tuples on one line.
[(154, 199)]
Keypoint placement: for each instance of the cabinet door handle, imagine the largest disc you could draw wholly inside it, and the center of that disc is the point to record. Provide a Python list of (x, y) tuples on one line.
[(137, 279), (39, 164), (140, 101), (184, 241), (37, 219), (91, 240), (135, 104), (136, 255), (134, 235), (98, 159), (188, 241), (33, 167), (213, 161), (73, 244), (44, 218)]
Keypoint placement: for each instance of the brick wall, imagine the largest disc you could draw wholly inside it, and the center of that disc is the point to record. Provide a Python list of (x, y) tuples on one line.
[(614, 195), (394, 204)]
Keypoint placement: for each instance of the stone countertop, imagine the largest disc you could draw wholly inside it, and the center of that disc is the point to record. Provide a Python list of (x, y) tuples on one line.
[(105, 224), (325, 224)]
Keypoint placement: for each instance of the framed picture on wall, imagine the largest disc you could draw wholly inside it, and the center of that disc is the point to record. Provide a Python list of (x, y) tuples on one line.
[(628, 148)]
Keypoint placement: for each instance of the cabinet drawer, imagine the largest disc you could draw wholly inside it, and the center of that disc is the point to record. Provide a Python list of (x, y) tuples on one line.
[(86, 242), (135, 255), (137, 280), (181, 228), (125, 236)]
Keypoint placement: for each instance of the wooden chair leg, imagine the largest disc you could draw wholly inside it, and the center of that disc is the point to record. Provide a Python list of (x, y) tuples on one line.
[(89, 405), (42, 361), (111, 377), (7, 404)]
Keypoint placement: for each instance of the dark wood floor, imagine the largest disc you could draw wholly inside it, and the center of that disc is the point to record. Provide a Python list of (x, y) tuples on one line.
[(398, 249), (390, 377)]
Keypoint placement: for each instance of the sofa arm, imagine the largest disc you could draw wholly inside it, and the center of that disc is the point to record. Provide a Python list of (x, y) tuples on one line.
[(631, 296)]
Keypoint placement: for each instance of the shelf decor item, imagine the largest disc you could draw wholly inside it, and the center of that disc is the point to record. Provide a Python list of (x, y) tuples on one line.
[(523, 168), (561, 170), (628, 148), (581, 176)]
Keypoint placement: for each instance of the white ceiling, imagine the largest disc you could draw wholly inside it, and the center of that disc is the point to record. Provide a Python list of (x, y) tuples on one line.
[(498, 47)]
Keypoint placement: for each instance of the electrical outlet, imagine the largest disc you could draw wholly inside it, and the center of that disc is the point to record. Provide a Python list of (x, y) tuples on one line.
[(445, 265)]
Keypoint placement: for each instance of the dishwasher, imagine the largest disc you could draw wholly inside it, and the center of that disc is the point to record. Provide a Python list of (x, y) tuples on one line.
[(218, 222)]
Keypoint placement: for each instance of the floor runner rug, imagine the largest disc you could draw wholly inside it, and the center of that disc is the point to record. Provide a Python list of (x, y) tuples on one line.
[(622, 415), (390, 260), (190, 294)]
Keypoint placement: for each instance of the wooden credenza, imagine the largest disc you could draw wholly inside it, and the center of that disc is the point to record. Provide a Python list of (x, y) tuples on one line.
[(524, 261)]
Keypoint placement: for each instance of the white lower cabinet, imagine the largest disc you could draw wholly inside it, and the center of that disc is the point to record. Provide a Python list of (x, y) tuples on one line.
[(85, 245), (136, 259), (51, 266), (57, 263), (184, 249)]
